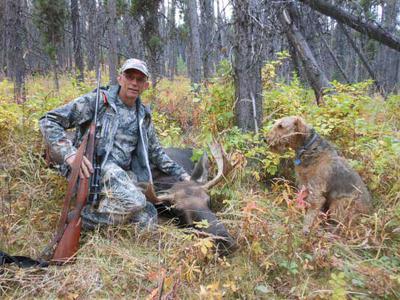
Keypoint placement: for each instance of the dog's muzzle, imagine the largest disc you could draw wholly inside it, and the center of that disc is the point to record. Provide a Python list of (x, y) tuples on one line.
[(276, 144)]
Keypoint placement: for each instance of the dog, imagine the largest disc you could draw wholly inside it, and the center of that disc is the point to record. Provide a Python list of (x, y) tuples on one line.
[(333, 186)]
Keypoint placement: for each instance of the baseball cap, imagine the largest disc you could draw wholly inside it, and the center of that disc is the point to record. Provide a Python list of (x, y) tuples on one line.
[(137, 64)]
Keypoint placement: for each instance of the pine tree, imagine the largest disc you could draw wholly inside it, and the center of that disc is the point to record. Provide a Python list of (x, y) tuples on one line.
[(146, 12), (50, 17)]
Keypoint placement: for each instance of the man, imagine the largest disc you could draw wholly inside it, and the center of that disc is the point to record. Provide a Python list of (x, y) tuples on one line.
[(126, 143)]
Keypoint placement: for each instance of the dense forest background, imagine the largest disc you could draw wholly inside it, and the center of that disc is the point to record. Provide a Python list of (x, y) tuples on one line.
[(220, 69), (345, 41)]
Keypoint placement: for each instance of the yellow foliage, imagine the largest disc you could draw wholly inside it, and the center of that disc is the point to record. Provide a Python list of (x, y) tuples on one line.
[(274, 259)]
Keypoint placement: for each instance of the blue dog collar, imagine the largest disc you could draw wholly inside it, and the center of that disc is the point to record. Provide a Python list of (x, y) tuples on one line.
[(297, 160)]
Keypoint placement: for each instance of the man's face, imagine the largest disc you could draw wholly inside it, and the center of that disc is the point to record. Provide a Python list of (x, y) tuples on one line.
[(133, 83)]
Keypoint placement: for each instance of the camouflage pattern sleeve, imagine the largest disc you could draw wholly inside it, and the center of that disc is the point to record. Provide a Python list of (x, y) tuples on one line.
[(54, 123), (158, 156)]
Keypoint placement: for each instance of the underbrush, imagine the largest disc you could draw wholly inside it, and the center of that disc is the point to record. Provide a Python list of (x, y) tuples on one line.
[(257, 203)]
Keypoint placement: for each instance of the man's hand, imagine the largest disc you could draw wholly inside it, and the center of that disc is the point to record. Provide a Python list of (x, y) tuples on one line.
[(86, 166), (185, 177)]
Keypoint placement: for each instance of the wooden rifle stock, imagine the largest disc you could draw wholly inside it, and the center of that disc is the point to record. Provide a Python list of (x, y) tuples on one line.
[(68, 243), (69, 227)]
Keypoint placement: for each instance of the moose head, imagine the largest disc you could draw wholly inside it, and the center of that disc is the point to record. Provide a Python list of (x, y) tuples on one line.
[(190, 200)]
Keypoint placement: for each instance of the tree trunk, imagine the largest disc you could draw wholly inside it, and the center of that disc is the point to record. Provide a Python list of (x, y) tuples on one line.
[(15, 60), (55, 72), (162, 29), (172, 46), (316, 77), (389, 58), (247, 66), (334, 58), (76, 36), (207, 32), (152, 39), (3, 37), (397, 75), (360, 24), (147, 11), (91, 16), (363, 60), (296, 62), (112, 36), (134, 46), (195, 59), (221, 35)]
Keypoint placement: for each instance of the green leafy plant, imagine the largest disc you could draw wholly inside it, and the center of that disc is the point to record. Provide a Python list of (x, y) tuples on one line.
[(338, 284)]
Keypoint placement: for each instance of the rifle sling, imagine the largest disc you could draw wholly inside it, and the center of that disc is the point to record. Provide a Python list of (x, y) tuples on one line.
[(20, 261)]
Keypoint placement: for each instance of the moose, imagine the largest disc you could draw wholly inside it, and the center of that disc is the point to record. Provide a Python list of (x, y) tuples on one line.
[(189, 201)]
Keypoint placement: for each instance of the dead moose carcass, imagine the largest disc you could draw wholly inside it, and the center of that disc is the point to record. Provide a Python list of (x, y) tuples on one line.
[(189, 201)]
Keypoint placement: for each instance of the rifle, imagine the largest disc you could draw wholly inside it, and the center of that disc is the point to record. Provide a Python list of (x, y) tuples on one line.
[(69, 226)]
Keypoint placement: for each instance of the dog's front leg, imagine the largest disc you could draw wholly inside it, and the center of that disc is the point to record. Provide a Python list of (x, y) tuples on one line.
[(315, 200)]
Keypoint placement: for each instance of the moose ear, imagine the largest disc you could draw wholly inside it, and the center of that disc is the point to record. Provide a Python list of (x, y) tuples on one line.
[(200, 171)]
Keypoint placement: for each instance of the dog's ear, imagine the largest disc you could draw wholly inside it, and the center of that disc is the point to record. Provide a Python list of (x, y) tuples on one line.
[(301, 125)]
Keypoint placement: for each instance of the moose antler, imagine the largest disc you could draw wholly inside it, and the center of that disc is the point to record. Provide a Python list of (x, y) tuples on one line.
[(224, 168), (223, 165)]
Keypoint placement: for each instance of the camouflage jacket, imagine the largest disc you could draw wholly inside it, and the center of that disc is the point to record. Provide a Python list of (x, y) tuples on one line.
[(79, 114)]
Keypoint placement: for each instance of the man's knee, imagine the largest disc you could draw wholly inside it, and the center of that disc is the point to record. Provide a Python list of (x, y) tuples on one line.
[(146, 218), (137, 202)]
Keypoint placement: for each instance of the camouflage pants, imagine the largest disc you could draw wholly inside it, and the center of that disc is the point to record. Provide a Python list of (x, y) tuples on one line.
[(121, 201)]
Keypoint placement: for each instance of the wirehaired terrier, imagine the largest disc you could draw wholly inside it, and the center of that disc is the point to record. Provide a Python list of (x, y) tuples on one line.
[(333, 186)]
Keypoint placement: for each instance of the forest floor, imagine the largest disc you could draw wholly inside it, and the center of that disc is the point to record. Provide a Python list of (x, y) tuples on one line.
[(256, 203)]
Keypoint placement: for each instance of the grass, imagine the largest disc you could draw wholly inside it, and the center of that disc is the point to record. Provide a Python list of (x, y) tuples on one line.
[(274, 260)]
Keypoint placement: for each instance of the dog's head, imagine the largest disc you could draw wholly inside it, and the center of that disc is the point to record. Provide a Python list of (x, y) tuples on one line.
[(288, 132)]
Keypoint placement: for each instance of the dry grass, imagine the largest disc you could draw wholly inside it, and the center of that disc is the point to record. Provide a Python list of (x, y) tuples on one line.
[(274, 260)]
